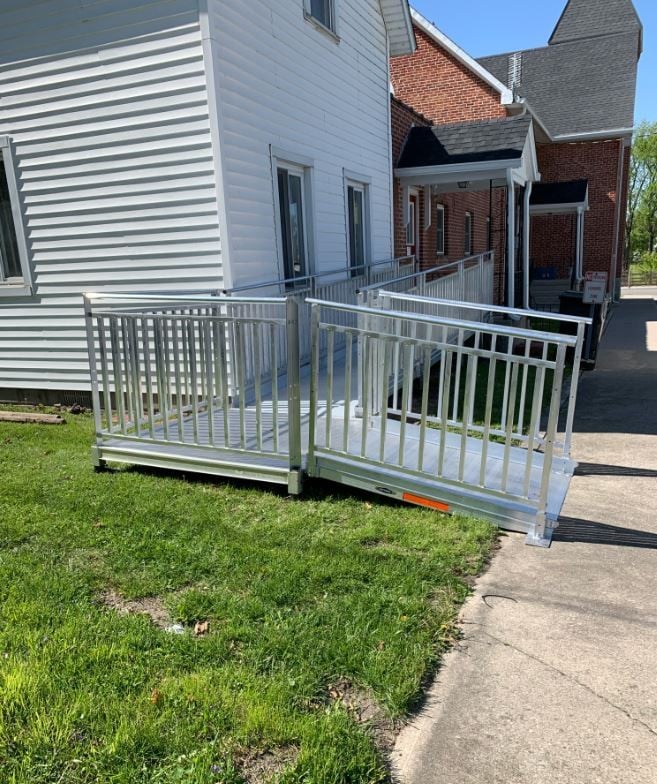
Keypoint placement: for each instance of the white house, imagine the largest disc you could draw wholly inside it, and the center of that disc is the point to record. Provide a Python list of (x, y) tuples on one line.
[(182, 144)]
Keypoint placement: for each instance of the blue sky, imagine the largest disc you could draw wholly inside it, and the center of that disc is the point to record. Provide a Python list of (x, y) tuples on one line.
[(493, 26)]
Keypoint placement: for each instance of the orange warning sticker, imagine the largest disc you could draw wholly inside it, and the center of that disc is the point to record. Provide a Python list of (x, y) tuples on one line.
[(417, 499)]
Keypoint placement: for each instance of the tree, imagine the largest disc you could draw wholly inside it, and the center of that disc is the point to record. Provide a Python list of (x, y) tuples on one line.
[(641, 228)]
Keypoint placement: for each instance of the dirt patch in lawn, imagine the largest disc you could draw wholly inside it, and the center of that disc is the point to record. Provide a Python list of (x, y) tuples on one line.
[(149, 605), (365, 710), (262, 767)]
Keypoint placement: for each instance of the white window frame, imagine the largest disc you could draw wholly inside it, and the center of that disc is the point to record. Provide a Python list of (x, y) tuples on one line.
[(468, 232), (440, 210), (15, 287), (332, 29), (363, 183), (282, 159)]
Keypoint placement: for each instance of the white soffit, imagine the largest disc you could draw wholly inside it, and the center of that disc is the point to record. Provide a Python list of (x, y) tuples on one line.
[(397, 17)]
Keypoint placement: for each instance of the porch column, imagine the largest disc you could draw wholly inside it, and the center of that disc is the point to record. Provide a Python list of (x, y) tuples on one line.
[(525, 246), (511, 240), (579, 265)]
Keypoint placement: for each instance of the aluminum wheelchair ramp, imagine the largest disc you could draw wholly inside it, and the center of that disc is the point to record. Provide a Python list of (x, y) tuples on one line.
[(450, 414)]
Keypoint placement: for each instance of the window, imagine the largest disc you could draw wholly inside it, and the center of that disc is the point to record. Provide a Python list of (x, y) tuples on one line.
[(321, 11), (293, 235), (357, 217), (410, 226), (468, 234), (14, 267), (440, 230)]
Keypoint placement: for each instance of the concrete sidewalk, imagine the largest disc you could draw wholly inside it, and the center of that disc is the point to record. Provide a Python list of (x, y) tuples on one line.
[(556, 677)]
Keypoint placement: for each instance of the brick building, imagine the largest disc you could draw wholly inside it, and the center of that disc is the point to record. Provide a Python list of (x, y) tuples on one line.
[(578, 93)]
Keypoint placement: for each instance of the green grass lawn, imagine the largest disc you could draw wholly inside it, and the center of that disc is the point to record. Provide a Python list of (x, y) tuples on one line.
[(323, 613)]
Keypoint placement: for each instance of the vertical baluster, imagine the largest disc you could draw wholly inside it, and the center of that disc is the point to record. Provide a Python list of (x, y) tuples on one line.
[(385, 389), (444, 416), (257, 367), (273, 363), (116, 368), (441, 375), (457, 381), (166, 374), (241, 378), (193, 374), (426, 378), (509, 426), (537, 407), (104, 368), (347, 391), (468, 401), (507, 378), (206, 327), (367, 381), (222, 349), (329, 385), (175, 338), (184, 329), (136, 373), (488, 411), (523, 388), (407, 391), (148, 373), (127, 369)]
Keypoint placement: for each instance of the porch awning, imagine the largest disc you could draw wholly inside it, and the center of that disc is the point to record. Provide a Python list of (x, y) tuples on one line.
[(559, 198), (468, 156)]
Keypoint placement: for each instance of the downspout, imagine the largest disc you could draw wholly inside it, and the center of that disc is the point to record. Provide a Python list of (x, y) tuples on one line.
[(511, 240), (526, 246), (619, 209)]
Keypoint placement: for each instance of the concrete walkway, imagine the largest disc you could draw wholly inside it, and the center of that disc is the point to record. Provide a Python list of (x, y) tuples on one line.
[(556, 677)]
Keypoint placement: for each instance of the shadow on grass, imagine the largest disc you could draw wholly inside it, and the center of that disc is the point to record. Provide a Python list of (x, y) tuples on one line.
[(313, 489), (573, 529)]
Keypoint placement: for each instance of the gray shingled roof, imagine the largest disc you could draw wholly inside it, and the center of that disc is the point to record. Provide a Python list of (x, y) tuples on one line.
[(577, 87), (592, 18), (441, 145)]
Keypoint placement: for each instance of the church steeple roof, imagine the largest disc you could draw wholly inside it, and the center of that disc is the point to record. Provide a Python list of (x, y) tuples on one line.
[(582, 19)]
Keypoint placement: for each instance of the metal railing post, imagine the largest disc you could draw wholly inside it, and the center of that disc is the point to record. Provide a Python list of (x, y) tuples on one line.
[(93, 373), (293, 394), (541, 535), (574, 384)]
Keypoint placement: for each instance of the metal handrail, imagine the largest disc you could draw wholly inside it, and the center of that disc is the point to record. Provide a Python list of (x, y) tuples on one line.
[(497, 329), (179, 298), (296, 284), (450, 303), (461, 263)]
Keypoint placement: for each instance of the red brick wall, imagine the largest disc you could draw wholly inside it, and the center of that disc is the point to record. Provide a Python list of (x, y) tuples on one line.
[(435, 83), (553, 237), (403, 118)]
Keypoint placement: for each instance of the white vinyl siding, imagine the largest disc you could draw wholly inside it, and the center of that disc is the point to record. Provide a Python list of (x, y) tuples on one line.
[(282, 85), (108, 112)]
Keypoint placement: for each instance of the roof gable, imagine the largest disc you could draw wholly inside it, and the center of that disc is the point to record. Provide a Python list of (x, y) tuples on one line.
[(593, 18), (475, 67), (444, 145)]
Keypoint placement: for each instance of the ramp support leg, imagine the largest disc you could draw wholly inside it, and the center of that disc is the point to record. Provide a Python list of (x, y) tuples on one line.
[(540, 535), (96, 460)]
